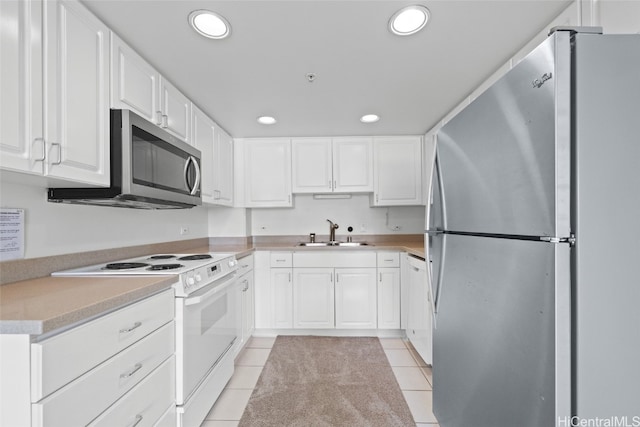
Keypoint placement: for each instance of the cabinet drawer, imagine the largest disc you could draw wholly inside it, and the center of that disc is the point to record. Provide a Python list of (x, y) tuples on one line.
[(146, 403), (337, 258), (102, 386), (245, 265), (61, 359), (388, 259), (281, 259)]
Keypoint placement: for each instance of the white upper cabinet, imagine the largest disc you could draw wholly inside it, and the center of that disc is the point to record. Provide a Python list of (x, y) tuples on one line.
[(76, 93), (204, 136), (137, 86), (311, 163), (223, 168), (175, 111), (267, 172), (54, 105), (216, 147), (398, 171), (339, 165), (134, 83), (21, 139), (353, 164)]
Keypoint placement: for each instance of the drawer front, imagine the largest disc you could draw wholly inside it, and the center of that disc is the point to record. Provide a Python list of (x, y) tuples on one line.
[(245, 265), (87, 397), (281, 259), (146, 403), (168, 419), (388, 259), (338, 258), (61, 359)]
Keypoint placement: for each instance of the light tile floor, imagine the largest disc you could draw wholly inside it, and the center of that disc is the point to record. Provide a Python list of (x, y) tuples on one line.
[(413, 375)]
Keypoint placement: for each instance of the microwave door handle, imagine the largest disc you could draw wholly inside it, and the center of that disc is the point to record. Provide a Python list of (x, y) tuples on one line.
[(193, 190)]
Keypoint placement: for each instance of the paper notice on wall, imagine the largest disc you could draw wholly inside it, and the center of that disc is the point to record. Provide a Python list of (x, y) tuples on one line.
[(11, 234)]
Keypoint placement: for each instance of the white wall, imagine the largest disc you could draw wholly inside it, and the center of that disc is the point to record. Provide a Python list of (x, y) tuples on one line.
[(310, 216), (54, 229), (229, 222)]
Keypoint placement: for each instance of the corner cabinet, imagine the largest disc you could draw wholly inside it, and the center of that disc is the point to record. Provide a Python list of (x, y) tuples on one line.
[(397, 162), (332, 165), (267, 172), (216, 147), (223, 169)]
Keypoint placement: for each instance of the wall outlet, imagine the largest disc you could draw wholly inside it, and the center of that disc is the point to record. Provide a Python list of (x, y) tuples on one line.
[(363, 228), (184, 230), (396, 227)]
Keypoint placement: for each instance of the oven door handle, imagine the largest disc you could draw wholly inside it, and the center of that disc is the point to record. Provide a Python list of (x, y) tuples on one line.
[(227, 283)]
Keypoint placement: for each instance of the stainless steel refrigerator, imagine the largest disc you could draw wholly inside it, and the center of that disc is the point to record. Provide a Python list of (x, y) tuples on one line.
[(533, 237)]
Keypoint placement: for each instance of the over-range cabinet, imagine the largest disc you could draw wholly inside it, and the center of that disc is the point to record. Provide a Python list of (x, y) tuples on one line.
[(533, 241)]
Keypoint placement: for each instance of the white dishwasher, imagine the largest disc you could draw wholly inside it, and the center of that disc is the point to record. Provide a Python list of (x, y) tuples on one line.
[(419, 316)]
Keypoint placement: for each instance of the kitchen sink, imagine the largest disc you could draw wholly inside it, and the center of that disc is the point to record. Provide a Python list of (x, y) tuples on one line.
[(326, 244)]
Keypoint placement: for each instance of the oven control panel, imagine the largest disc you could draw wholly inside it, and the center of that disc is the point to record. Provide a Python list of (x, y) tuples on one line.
[(205, 275)]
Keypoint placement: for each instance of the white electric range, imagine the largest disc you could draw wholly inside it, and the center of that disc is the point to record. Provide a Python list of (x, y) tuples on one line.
[(206, 318)]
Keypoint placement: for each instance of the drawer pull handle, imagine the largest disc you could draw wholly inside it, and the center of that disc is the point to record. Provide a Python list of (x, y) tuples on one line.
[(132, 372), (388, 260), (134, 327), (138, 419)]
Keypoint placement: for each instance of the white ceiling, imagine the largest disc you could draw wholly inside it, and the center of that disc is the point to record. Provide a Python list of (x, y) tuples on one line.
[(411, 82)]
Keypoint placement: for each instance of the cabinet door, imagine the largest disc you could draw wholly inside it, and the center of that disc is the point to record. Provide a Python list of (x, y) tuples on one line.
[(282, 298), (21, 143), (388, 298), (134, 83), (353, 164), (397, 171), (223, 169), (313, 298), (311, 164), (267, 167), (204, 136), (356, 298), (176, 111), (76, 87)]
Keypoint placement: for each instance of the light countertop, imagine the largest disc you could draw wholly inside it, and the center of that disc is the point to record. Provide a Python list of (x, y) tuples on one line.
[(38, 306)]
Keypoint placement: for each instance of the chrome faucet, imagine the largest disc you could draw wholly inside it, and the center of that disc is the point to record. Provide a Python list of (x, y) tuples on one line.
[(332, 231)]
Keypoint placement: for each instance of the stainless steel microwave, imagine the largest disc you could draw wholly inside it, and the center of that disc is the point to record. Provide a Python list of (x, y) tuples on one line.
[(150, 169)]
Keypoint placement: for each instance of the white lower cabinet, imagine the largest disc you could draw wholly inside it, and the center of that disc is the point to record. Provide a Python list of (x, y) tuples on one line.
[(282, 298), (388, 298), (356, 298), (246, 301), (146, 403), (313, 298), (115, 370)]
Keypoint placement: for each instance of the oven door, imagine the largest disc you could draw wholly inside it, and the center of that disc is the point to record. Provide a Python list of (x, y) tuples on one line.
[(205, 331)]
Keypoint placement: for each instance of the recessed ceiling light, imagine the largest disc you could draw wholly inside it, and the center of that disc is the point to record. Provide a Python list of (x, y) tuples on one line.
[(209, 24), (266, 120), (369, 118), (409, 20)]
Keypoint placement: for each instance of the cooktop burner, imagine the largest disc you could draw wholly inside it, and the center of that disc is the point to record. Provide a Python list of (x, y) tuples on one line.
[(157, 267), (124, 265), (162, 256), (195, 257)]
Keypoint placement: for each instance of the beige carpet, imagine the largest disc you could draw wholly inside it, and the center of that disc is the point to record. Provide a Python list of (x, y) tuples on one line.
[(327, 381)]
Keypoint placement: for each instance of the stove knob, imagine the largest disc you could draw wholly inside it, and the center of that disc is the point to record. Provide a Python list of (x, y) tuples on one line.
[(232, 263), (198, 277), (190, 281)]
